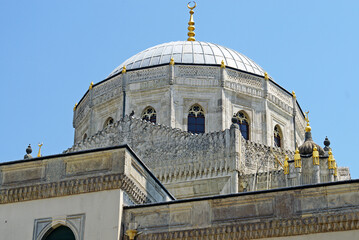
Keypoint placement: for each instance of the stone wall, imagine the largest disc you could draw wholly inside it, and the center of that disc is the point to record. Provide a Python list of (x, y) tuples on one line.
[(177, 157), (64, 175), (172, 90), (331, 209)]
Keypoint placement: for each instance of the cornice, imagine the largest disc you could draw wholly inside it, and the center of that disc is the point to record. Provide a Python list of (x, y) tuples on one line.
[(73, 187), (300, 225)]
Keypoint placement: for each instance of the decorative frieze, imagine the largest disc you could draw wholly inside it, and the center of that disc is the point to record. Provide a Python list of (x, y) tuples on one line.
[(250, 91), (73, 186), (198, 72), (244, 79), (280, 94), (148, 74), (272, 228)]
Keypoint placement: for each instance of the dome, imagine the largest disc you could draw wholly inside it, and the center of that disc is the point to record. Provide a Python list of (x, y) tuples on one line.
[(307, 147), (188, 52)]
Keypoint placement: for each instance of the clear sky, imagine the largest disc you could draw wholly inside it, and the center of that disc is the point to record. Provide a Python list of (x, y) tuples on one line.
[(50, 51)]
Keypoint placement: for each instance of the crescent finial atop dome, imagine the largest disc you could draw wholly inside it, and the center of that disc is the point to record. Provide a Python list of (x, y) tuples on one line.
[(191, 27)]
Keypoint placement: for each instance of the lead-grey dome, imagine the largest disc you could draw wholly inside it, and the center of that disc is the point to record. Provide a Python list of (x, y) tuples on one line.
[(190, 52)]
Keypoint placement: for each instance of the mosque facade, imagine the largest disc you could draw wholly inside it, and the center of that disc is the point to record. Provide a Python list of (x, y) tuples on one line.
[(184, 140)]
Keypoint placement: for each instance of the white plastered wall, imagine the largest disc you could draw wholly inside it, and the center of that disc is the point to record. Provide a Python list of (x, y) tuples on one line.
[(103, 214)]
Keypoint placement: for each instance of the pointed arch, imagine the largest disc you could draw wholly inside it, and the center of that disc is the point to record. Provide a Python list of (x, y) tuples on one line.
[(149, 114), (278, 136), (243, 122), (196, 119), (84, 137), (61, 232), (109, 121)]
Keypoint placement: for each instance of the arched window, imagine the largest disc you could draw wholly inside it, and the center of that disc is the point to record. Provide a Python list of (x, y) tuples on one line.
[(85, 137), (108, 122), (149, 114), (59, 233), (196, 119), (243, 124), (277, 136)]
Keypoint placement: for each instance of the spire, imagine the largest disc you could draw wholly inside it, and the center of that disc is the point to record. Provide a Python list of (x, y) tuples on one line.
[(307, 128), (191, 27)]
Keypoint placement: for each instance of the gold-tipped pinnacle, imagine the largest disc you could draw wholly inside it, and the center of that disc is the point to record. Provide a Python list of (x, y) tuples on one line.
[(191, 27)]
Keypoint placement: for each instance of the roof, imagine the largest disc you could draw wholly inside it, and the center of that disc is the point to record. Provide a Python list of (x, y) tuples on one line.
[(194, 52)]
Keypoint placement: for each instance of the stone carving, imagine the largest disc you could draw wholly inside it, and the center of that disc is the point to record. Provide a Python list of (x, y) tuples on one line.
[(320, 223), (197, 71), (75, 186), (107, 86), (154, 73), (244, 79), (280, 94), (248, 90), (192, 156)]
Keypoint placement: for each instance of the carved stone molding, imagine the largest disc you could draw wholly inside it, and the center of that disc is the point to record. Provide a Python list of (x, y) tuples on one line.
[(75, 222), (72, 187), (301, 225)]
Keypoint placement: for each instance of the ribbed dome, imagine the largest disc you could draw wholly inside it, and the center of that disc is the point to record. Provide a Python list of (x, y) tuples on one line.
[(190, 52)]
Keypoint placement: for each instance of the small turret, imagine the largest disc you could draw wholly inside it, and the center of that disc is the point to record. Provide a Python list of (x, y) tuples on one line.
[(326, 144), (28, 152)]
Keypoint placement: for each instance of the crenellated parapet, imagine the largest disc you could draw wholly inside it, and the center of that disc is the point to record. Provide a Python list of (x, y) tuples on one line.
[(258, 157), (192, 156)]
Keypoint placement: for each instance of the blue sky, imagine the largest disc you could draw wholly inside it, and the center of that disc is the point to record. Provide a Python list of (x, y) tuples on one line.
[(52, 50)]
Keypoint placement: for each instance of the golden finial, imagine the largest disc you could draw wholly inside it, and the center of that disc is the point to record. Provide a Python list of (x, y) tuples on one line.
[(124, 69), (331, 160), (293, 93), (223, 65), (297, 159), (75, 106), (286, 165), (315, 156), (39, 153), (172, 62), (191, 27), (266, 77), (335, 170), (307, 128), (91, 84)]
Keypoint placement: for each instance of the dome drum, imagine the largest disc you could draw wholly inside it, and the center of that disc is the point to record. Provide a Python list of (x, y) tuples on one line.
[(172, 89)]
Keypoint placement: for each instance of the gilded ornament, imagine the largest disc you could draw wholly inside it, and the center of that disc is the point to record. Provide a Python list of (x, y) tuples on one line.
[(124, 69), (39, 153), (266, 77), (331, 160), (172, 62), (75, 106), (223, 65), (293, 93), (286, 165), (191, 27), (307, 128), (297, 159), (91, 84), (315, 156)]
